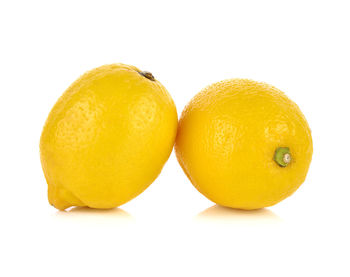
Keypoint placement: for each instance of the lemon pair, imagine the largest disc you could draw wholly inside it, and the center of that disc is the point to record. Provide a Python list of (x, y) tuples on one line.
[(243, 144)]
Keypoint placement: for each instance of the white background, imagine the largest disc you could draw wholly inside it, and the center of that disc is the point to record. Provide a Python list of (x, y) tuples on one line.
[(301, 47)]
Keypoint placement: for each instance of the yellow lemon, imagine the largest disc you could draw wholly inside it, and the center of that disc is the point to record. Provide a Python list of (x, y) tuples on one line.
[(107, 138), (244, 144)]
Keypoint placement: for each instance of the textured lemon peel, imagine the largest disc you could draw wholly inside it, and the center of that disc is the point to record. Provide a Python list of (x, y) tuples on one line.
[(65, 199)]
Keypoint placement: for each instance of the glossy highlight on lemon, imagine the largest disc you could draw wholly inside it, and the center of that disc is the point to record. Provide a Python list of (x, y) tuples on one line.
[(107, 138), (244, 144)]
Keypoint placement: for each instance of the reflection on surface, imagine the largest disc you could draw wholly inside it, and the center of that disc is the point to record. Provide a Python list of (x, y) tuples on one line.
[(221, 213), (86, 212)]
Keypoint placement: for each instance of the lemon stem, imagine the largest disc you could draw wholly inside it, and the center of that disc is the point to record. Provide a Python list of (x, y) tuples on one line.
[(148, 75), (282, 156)]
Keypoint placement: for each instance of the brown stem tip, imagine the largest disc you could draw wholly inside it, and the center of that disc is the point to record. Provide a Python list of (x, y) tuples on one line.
[(148, 75)]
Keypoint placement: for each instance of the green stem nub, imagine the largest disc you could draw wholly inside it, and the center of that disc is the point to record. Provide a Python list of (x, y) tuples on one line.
[(282, 156), (148, 75)]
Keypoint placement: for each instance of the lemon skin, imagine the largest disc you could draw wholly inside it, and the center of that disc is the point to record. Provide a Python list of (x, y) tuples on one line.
[(107, 138), (227, 138)]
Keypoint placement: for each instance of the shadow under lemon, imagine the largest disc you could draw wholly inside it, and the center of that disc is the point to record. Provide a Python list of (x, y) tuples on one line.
[(224, 214)]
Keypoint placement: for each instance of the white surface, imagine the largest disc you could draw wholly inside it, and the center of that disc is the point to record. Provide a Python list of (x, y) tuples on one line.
[(301, 47)]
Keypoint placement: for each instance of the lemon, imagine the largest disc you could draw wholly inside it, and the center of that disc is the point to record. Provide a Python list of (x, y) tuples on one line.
[(107, 138), (244, 144)]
